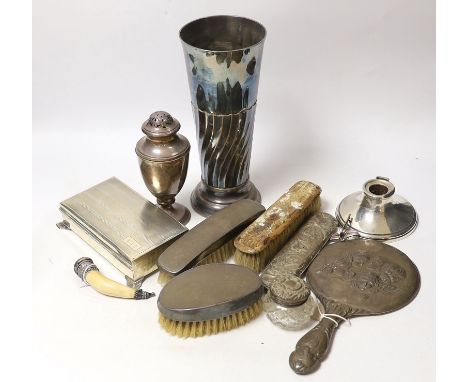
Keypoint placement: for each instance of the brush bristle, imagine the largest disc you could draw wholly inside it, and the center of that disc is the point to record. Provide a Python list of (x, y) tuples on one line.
[(164, 277), (259, 261), (203, 328), (220, 255)]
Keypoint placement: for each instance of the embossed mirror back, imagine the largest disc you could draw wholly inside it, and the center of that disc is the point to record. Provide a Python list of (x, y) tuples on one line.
[(366, 276)]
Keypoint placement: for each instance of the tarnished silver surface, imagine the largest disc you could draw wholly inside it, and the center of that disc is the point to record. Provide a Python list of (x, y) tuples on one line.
[(163, 157), (63, 225), (135, 284), (209, 292), (299, 251), (84, 265), (223, 57), (207, 200), (354, 278), (377, 212), (125, 228), (289, 290), (209, 235), (288, 303)]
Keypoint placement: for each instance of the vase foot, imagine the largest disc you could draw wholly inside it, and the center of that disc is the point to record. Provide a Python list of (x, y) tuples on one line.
[(206, 200)]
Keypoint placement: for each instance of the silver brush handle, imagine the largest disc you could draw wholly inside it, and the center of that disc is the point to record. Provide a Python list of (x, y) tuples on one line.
[(311, 348)]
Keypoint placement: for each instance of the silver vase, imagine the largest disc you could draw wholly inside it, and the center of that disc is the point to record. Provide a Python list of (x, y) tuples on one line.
[(223, 56)]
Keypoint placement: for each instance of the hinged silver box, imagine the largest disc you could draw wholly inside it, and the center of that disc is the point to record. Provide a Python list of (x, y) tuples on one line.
[(125, 228)]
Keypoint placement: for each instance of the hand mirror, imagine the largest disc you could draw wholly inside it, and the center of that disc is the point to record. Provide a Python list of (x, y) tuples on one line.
[(354, 278)]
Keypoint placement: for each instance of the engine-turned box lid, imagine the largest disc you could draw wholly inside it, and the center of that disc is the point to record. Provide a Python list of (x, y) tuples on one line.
[(123, 226)]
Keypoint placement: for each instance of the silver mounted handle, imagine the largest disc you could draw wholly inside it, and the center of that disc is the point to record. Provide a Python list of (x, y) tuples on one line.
[(314, 345), (311, 348)]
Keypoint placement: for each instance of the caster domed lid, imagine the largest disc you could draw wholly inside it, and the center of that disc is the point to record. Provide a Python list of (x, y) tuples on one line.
[(160, 124), (161, 143)]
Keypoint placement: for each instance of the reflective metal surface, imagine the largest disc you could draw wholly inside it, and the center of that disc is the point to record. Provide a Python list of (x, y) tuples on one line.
[(354, 278), (209, 235), (209, 292), (288, 303), (296, 255), (377, 212), (163, 156), (289, 290), (84, 265), (207, 200), (125, 228), (223, 57)]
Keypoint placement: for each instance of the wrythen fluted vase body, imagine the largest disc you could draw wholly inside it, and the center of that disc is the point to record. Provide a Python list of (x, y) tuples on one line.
[(223, 55)]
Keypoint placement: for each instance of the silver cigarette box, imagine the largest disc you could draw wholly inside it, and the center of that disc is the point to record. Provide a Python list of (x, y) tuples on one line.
[(125, 228)]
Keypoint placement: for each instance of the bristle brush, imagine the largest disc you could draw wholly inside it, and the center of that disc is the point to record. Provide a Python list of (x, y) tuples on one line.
[(210, 299), (211, 241), (261, 240), (220, 255)]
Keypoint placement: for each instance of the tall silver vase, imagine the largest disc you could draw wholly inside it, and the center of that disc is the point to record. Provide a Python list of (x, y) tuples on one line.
[(223, 55)]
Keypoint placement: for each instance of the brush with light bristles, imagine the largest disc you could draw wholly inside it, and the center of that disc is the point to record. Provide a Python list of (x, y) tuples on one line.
[(211, 241), (220, 255), (261, 240), (210, 299)]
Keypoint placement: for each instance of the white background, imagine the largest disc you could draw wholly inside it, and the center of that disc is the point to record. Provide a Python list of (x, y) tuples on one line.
[(346, 93)]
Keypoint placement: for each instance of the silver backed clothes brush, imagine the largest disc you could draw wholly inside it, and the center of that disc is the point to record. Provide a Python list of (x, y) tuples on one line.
[(211, 241)]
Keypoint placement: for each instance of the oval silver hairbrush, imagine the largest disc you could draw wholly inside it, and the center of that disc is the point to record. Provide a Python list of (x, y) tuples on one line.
[(210, 299)]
